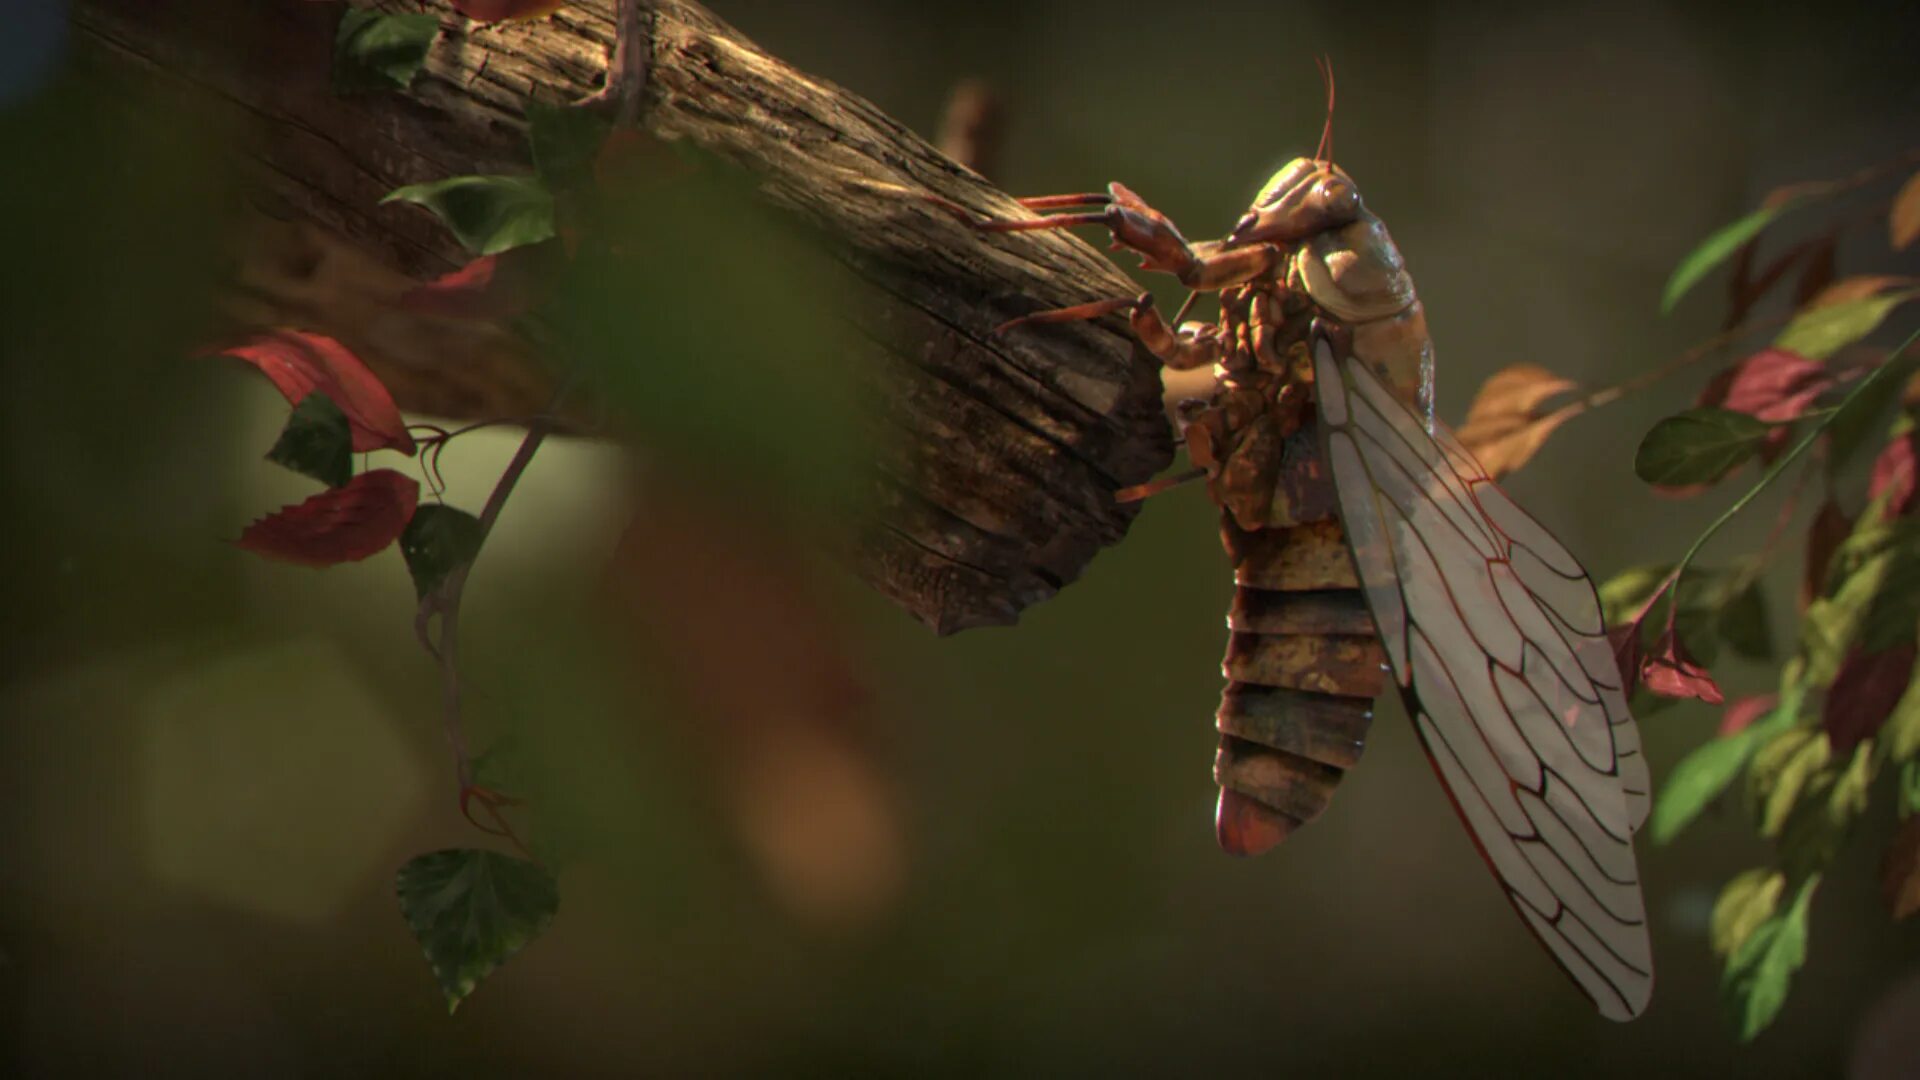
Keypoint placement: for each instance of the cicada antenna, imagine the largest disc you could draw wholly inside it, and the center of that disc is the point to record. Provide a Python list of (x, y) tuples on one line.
[(1325, 151)]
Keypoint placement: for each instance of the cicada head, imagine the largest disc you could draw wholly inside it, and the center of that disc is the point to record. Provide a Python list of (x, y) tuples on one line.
[(1307, 197)]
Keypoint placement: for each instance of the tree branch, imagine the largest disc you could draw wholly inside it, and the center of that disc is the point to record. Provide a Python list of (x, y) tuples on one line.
[(1021, 441)]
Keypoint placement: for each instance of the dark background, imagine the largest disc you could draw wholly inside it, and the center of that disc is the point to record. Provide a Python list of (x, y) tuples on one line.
[(211, 765)]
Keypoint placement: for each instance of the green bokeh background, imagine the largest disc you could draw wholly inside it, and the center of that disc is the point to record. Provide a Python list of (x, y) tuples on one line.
[(210, 766)]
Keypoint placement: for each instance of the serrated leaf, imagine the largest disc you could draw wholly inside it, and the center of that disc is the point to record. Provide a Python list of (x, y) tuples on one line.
[(317, 441), (1714, 250), (374, 51), (566, 141), (339, 525), (1754, 984), (1704, 774), (1698, 446), (1903, 223), (487, 214), (438, 540), (1818, 333), (1745, 902), (471, 910), (299, 363)]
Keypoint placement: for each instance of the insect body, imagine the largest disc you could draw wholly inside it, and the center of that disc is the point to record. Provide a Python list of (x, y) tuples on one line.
[(1368, 546)]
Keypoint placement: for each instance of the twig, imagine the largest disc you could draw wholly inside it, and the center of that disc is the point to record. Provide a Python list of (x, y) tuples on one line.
[(444, 601), (627, 67), (1812, 189)]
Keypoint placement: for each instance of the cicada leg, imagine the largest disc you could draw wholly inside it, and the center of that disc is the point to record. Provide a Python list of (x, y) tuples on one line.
[(1140, 228)]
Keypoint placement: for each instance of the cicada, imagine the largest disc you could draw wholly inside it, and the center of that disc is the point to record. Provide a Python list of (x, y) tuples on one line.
[(1370, 547)]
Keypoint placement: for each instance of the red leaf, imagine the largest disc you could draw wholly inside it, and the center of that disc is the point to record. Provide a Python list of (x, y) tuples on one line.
[(1744, 712), (299, 363), (1893, 473), (1670, 672), (1830, 528), (1864, 693), (489, 11), (1626, 653), (499, 286), (1900, 870), (341, 525), (1772, 385)]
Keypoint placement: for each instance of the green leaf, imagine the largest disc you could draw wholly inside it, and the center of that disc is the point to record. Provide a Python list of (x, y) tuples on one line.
[(373, 51), (1714, 250), (1859, 418), (1782, 768), (317, 441), (487, 214), (1745, 902), (565, 140), (1743, 623), (438, 540), (1623, 594), (1908, 794), (471, 910), (1698, 446), (1820, 332), (1754, 984), (1899, 738), (1834, 798), (1703, 774)]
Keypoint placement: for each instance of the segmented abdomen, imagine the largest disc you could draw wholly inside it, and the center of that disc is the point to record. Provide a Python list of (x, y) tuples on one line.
[(1303, 666)]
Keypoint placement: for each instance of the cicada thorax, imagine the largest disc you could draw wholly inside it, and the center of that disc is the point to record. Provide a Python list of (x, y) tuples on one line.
[(1303, 662)]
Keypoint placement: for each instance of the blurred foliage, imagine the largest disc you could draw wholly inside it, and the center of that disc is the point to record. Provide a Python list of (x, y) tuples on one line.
[(1810, 761)]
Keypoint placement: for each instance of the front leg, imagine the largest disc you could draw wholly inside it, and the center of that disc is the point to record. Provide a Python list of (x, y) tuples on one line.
[(1141, 229)]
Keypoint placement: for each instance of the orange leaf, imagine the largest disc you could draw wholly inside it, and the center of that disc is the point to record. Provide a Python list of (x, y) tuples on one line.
[(1900, 870), (1903, 224), (339, 525), (1857, 287), (1503, 429), (299, 363), (491, 11)]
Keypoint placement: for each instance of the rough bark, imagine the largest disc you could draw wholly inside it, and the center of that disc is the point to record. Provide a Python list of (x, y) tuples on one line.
[(1017, 443)]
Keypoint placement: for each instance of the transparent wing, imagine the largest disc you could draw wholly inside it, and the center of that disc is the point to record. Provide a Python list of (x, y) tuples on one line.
[(1495, 636)]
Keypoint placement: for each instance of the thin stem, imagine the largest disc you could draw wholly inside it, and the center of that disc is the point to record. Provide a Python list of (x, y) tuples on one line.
[(1814, 189), (444, 601), (1787, 459)]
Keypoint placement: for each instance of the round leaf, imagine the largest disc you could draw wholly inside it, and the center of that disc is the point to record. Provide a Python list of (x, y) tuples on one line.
[(1698, 446)]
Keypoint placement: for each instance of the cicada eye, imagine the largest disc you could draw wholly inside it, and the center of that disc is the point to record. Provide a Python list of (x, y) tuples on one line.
[(1339, 196)]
